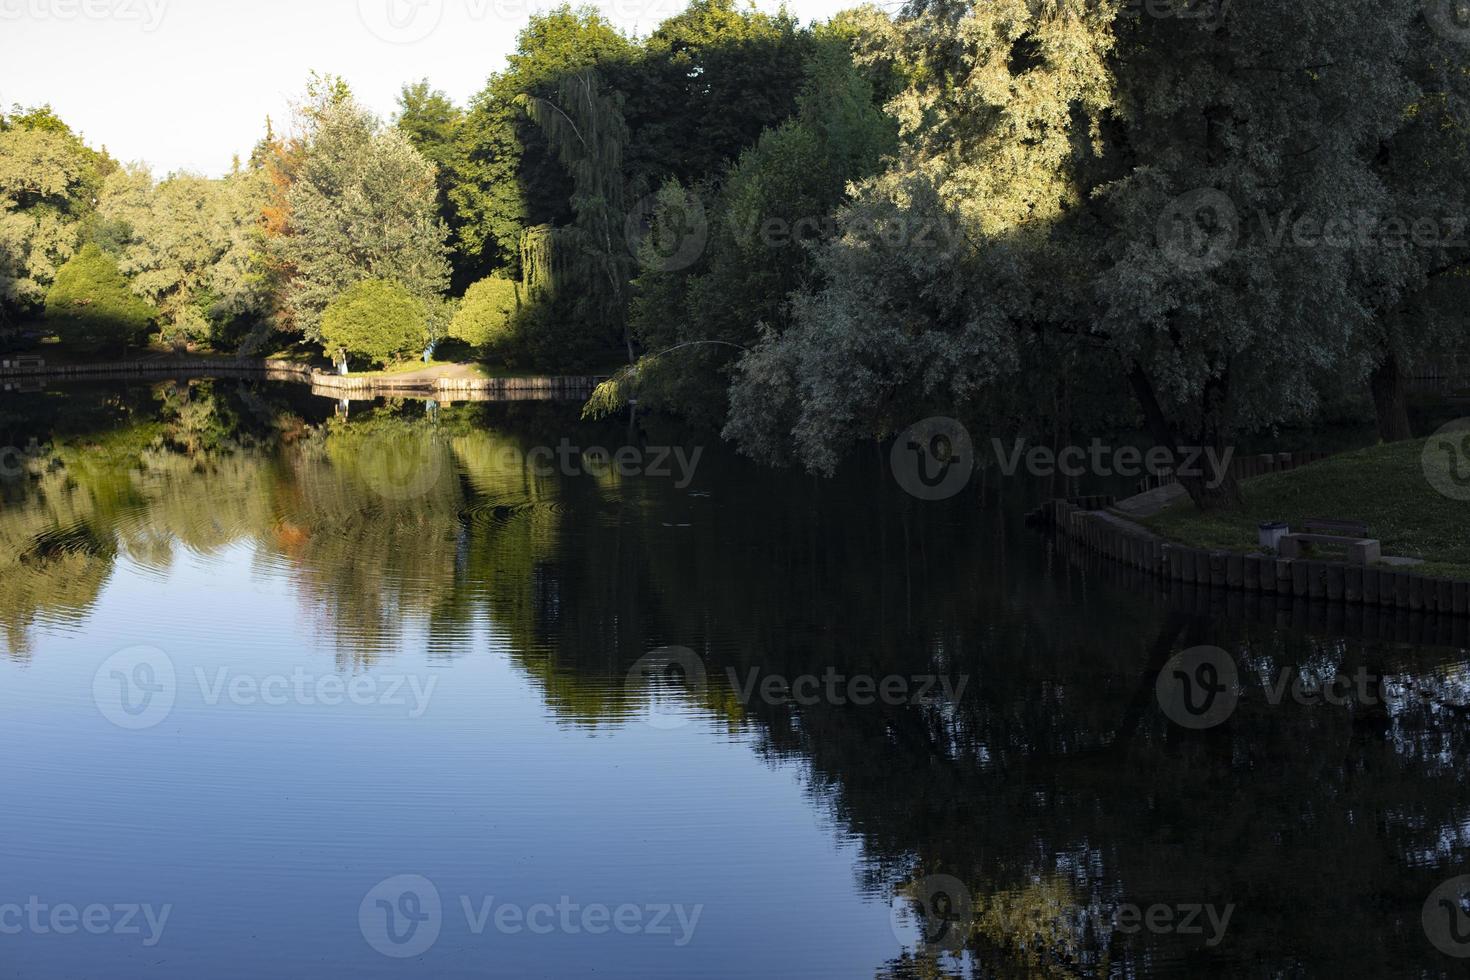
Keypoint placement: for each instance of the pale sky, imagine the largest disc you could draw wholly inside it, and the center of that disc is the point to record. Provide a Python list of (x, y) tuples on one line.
[(186, 84)]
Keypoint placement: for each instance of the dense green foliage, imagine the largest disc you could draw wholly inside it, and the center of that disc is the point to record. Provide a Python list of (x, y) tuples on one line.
[(772, 205), (1112, 192), (486, 316), (362, 206), (90, 305), (377, 320), (435, 126), (48, 182), (544, 179), (1208, 219), (510, 180), (189, 247)]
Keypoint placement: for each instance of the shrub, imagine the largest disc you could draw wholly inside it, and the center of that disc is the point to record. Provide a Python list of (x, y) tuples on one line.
[(375, 319), (90, 305), (486, 316)]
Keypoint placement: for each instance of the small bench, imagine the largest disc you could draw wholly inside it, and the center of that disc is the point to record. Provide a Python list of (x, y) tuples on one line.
[(1329, 526), (1352, 535)]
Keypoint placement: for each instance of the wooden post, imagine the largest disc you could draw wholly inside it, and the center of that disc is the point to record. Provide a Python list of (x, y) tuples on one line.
[(1387, 586), (1299, 578), (1251, 573), (1370, 586), (1217, 569), (1336, 581), (1316, 579), (1235, 571)]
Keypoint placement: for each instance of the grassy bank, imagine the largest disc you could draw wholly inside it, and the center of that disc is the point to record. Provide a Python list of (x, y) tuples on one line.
[(1383, 486), (419, 371)]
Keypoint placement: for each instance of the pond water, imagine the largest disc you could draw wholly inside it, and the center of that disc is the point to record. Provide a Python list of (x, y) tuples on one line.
[(288, 692)]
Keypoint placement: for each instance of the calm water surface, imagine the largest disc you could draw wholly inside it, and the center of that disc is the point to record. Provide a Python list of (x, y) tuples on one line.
[(370, 696)]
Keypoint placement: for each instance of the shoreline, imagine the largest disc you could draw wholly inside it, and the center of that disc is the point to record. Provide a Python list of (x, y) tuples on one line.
[(1386, 624), (1106, 531), (324, 383)]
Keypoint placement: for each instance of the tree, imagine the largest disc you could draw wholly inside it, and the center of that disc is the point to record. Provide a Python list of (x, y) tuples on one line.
[(510, 179), (432, 122), (375, 319), (190, 246), (362, 206), (42, 119), (1413, 278), (585, 126), (281, 157), (486, 316), (90, 305), (241, 283), (1116, 185), (48, 179), (711, 79), (774, 204)]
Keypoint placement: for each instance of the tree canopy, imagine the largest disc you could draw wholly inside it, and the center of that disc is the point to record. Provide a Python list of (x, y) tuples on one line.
[(1210, 220), (363, 206), (90, 305), (377, 320)]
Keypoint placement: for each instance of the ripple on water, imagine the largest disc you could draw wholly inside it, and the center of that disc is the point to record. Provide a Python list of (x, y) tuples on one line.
[(489, 513), (65, 540)]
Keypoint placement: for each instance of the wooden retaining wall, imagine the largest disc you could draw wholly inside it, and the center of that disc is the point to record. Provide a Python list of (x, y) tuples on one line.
[(1387, 624), (322, 382), (1047, 514), (456, 388), (1303, 578), (204, 367)]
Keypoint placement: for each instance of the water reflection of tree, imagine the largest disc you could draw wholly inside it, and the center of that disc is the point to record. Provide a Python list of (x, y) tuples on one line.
[(1053, 789), (364, 519)]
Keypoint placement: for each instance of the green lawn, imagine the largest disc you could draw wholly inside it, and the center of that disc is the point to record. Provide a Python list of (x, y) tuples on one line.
[(1385, 487), (479, 370), (403, 367)]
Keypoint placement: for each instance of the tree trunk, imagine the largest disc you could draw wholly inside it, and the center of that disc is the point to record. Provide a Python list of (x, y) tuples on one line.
[(1208, 491), (1208, 494), (1390, 406)]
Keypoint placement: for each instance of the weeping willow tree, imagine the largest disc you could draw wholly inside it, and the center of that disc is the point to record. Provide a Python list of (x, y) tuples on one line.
[(538, 255), (588, 259)]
